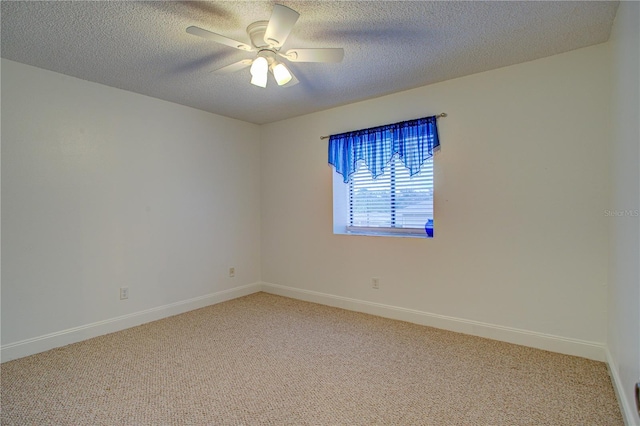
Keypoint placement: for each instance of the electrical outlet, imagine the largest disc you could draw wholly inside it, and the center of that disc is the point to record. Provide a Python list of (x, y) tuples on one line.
[(232, 272), (124, 293), (375, 283)]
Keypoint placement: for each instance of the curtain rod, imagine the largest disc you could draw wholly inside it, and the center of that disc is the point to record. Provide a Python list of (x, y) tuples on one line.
[(441, 115)]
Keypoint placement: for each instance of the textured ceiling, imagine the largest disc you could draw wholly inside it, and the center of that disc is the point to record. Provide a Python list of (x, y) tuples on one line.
[(389, 46)]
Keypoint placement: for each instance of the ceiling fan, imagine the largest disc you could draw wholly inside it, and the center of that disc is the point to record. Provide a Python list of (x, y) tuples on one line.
[(267, 38)]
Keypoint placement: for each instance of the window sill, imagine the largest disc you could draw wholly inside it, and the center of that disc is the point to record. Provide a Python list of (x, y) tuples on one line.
[(385, 232)]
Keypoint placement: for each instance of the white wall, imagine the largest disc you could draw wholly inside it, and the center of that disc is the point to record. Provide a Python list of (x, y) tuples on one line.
[(522, 180), (624, 292), (103, 188)]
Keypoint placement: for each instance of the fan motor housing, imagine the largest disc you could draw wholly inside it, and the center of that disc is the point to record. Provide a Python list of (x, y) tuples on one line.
[(256, 34), (268, 54)]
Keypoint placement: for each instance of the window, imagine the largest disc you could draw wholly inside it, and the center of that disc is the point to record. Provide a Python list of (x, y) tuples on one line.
[(393, 204), (383, 180)]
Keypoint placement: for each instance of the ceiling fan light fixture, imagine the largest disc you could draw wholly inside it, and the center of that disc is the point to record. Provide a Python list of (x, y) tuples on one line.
[(260, 67), (267, 37), (281, 74), (259, 80)]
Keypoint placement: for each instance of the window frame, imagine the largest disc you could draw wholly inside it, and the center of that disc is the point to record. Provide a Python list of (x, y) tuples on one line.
[(343, 214)]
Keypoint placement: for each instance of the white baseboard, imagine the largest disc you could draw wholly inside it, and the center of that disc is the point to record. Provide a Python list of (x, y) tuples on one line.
[(630, 418), (581, 348), (76, 334), (590, 350)]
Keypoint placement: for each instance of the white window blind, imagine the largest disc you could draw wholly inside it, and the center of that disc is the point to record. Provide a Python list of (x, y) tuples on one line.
[(393, 201)]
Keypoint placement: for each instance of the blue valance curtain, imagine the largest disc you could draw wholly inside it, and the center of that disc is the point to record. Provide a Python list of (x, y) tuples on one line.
[(414, 141)]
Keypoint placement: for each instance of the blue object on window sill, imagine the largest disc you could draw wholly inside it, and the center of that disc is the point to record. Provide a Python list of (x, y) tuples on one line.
[(428, 227)]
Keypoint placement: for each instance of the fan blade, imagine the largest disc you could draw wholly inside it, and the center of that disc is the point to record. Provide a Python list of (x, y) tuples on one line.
[(315, 55), (233, 67), (280, 25), (218, 38)]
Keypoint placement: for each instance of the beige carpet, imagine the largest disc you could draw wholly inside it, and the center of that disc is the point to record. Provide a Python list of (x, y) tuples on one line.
[(270, 360)]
